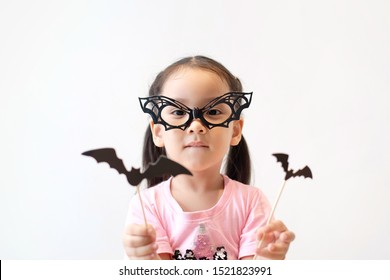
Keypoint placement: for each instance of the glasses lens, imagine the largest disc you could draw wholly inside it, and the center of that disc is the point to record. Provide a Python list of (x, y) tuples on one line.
[(218, 113), (174, 116)]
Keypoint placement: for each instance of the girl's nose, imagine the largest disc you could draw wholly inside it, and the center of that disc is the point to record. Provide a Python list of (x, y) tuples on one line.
[(196, 126)]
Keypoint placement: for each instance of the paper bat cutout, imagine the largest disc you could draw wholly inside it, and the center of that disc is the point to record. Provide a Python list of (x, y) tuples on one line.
[(305, 172), (283, 158), (162, 166)]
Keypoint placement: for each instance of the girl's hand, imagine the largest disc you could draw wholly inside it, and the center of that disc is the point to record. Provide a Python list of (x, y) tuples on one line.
[(276, 241), (139, 242)]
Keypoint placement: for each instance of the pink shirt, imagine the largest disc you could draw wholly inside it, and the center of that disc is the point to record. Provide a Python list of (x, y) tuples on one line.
[(225, 231)]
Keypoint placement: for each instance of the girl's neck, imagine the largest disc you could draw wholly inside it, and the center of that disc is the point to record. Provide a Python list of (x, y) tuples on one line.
[(198, 182), (197, 192)]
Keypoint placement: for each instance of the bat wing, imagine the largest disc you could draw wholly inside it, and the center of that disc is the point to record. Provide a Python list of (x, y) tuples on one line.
[(109, 156), (283, 159), (305, 172), (165, 166)]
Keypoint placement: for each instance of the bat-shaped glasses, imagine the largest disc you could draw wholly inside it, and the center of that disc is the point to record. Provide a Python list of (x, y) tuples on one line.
[(218, 112)]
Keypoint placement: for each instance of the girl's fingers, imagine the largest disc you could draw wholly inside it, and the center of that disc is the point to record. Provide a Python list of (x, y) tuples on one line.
[(276, 241), (276, 231), (135, 229), (278, 248), (139, 242), (143, 252), (273, 251), (287, 236), (136, 241), (276, 226), (266, 238)]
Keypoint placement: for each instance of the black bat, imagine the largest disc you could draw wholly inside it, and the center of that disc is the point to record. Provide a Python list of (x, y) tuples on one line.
[(283, 158), (162, 166)]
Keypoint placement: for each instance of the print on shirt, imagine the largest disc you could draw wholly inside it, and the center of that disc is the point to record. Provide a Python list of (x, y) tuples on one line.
[(203, 249), (220, 254)]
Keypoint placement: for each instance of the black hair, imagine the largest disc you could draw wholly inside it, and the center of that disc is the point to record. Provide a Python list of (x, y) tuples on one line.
[(238, 163)]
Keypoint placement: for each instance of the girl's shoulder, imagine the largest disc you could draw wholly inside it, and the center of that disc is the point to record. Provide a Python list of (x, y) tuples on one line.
[(239, 184), (159, 188), (241, 187), (245, 196)]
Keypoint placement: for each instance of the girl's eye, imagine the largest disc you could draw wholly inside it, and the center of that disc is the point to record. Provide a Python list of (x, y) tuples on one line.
[(213, 112), (178, 113)]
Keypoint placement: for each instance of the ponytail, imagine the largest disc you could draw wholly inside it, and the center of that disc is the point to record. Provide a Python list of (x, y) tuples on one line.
[(150, 154), (238, 165)]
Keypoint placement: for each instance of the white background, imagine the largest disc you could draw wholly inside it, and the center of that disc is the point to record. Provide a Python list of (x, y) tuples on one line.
[(70, 75)]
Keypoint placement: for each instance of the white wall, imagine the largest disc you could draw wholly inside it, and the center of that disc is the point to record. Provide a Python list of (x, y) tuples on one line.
[(71, 72)]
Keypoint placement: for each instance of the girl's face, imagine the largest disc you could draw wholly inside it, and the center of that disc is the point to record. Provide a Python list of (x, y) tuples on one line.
[(197, 148)]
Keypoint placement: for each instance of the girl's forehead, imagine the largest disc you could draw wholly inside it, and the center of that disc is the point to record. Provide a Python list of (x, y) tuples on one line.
[(188, 83)]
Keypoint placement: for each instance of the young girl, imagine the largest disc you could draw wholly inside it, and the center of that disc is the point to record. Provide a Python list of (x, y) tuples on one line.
[(195, 105)]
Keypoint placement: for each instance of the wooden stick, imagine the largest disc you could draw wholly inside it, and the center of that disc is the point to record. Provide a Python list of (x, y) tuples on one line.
[(142, 206), (271, 214)]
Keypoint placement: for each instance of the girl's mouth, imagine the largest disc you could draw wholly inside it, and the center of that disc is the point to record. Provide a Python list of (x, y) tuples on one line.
[(196, 144)]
